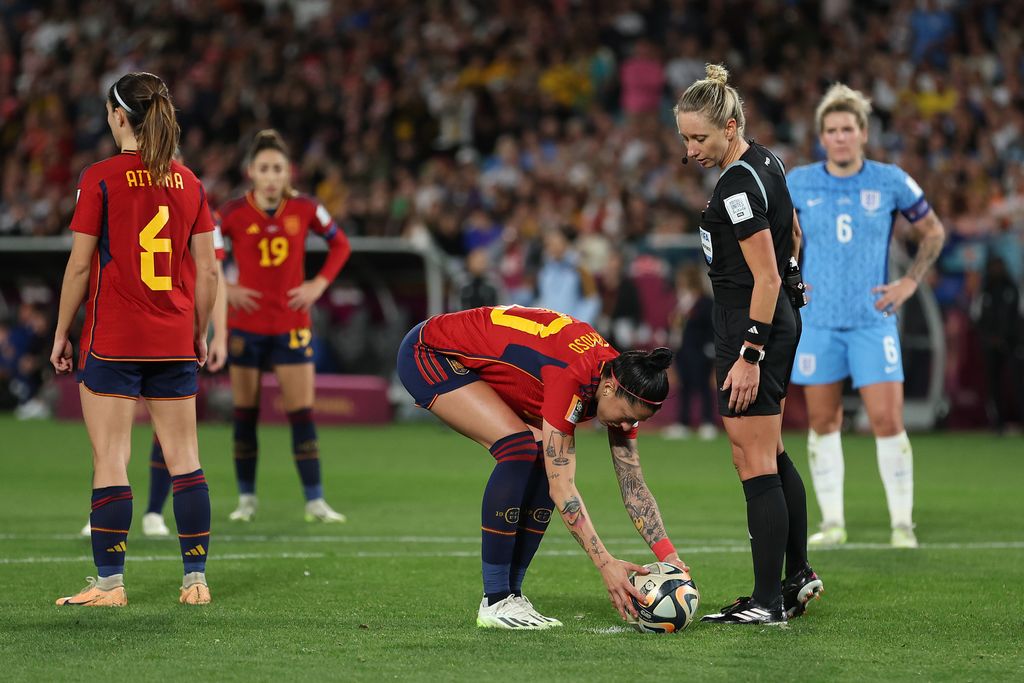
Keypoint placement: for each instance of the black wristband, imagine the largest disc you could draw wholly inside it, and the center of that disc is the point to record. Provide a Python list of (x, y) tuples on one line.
[(757, 332)]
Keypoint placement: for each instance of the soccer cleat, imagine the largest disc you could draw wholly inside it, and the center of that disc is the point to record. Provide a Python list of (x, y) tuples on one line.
[(317, 510), (525, 603), (800, 590), (676, 431), (903, 537), (707, 432), (829, 537), (153, 525), (86, 530), (194, 590), (246, 509), (746, 610), (102, 592), (508, 614)]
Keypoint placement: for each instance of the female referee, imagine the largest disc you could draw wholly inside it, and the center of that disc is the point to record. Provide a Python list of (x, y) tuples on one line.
[(269, 319), (138, 216), (517, 381), (748, 233)]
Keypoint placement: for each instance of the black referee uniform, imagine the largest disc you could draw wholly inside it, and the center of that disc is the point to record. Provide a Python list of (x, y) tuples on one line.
[(751, 195)]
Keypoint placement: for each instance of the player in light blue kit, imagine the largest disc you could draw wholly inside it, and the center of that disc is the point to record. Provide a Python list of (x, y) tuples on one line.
[(847, 207)]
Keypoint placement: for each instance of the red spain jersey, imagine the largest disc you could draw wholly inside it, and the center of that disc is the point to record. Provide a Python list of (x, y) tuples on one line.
[(141, 304), (545, 365), (270, 252)]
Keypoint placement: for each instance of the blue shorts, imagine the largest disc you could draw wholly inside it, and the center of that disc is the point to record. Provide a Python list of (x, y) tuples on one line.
[(869, 355), (426, 373), (154, 379), (264, 351)]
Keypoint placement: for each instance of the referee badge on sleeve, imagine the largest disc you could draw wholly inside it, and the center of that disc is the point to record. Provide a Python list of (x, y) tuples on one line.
[(738, 208), (705, 243)]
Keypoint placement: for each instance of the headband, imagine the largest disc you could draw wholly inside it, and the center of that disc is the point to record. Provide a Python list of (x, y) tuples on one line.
[(639, 398), (124, 106)]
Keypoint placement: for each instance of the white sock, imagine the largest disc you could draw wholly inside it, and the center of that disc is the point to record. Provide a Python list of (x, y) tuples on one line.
[(896, 465), (825, 454)]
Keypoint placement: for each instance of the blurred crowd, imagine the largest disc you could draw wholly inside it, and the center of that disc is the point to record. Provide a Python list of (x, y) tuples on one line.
[(532, 141)]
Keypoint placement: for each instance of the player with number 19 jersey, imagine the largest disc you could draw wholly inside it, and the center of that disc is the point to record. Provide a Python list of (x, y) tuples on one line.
[(270, 249), (140, 306), (544, 364)]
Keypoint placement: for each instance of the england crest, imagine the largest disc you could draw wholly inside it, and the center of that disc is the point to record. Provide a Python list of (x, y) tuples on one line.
[(871, 200), (807, 363)]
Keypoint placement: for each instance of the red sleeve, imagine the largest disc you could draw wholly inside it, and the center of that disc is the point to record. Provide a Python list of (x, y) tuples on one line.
[(88, 217), (204, 221), (563, 406), (338, 247)]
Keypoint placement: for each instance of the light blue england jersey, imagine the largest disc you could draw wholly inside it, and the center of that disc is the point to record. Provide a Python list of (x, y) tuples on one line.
[(847, 226)]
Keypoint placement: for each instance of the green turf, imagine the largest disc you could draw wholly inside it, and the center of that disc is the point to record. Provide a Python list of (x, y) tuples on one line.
[(393, 593)]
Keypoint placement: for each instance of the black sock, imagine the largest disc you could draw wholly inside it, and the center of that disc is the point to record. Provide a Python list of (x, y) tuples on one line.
[(246, 448), (533, 522), (768, 526), (796, 504), (503, 497), (159, 479)]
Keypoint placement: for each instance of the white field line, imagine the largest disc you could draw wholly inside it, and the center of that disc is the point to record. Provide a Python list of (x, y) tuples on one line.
[(723, 547)]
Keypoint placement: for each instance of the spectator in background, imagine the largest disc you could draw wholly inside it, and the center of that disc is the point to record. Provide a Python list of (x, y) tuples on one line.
[(999, 325), (621, 310), (479, 287), (562, 284), (695, 358)]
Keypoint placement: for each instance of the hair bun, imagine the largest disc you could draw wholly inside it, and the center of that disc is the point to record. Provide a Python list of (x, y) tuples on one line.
[(717, 73), (660, 358)]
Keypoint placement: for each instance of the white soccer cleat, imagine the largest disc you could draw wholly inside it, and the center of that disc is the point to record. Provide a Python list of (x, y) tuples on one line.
[(317, 510), (829, 537), (524, 602), (903, 537), (707, 432), (508, 614), (675, 432), (153, 525), (246, 509), (86, 530)]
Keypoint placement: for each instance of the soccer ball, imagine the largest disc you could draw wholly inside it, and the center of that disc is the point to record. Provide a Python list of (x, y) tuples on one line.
[(672, 599)]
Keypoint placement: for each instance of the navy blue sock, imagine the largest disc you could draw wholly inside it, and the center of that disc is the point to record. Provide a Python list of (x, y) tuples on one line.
[(533, 522), (768, 527), (110, 520), (796, 505), (159, 479), (246, 448), (503, 497), (192, 514), (306, 451)]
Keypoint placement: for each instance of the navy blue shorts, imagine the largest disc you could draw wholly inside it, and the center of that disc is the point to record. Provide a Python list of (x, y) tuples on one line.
[(155, 379), (264, 351), (427, 373)]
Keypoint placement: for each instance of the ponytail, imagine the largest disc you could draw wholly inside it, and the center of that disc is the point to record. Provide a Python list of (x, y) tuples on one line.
[(147, 104)]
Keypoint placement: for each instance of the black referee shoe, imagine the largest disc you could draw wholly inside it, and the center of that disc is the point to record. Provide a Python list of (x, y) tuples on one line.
[(746, 610), (799, 590)]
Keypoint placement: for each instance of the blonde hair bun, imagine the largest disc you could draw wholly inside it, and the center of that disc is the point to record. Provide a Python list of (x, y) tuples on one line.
[(717, 73)]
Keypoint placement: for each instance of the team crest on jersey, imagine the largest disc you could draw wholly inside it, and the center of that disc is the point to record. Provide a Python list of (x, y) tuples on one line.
[(871, 200), (807, 363), (457, 367), (575, 411), (705, 244), (291, 225)]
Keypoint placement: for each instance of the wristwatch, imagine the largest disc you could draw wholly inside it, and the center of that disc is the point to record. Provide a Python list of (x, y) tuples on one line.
[(751, 354)]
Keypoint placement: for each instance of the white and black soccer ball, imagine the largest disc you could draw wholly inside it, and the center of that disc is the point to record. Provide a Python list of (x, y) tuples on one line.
[(672, 599)]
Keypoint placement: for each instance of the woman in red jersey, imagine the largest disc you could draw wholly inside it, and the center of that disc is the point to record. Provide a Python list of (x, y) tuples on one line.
[(143, 251), (517, 381), (269, 319)]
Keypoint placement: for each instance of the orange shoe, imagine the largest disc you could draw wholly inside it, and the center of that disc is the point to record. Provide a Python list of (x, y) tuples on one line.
[(95, 596), (194, 590)]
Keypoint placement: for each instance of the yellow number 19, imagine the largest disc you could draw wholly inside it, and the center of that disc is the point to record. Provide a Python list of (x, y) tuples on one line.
[(273, 252), (152, 245)]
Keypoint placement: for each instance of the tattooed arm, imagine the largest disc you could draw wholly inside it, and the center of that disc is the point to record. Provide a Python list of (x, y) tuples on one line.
[(930, 236), (560, 466), (636, 497)]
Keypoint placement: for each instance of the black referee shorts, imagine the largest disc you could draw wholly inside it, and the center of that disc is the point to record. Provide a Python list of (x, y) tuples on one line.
[(730, 325)]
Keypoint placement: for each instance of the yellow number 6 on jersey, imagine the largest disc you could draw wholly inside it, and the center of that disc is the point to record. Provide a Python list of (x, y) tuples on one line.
[(152, 245)]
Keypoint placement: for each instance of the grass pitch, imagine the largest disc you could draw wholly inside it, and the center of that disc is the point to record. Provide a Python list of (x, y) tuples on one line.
[(393, 593)]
